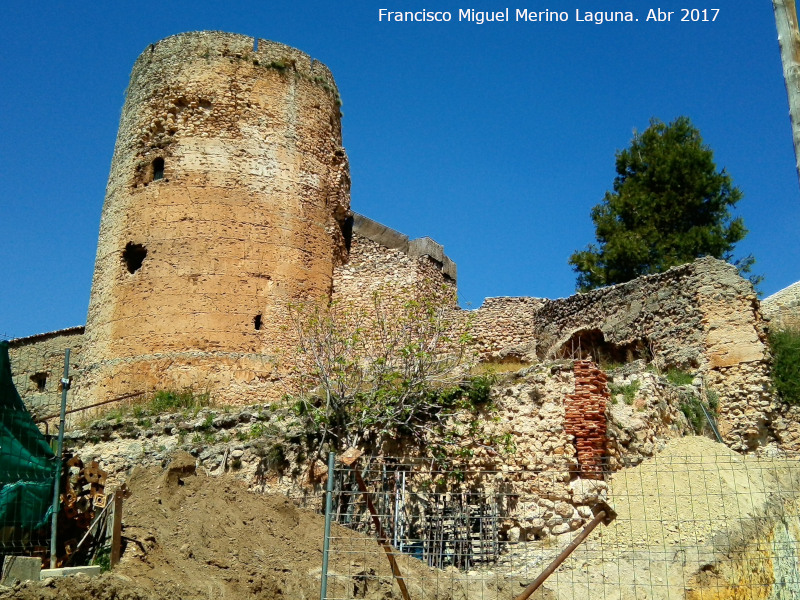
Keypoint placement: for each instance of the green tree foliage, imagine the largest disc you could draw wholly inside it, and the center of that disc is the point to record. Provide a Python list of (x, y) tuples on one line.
[(395, 367), (669, 206), (785, 346)]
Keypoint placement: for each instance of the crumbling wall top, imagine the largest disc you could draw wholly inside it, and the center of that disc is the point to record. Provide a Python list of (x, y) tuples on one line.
[(783, 308), (31, 339), (390, 238), (210, 45)]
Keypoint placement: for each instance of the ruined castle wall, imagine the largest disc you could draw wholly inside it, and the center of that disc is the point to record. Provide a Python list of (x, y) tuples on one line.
[(700, 317), (519, 445), (737, 357), (658, 313), (386, 262), (228, 192), (782, 309), (505, 328), (37, 366)]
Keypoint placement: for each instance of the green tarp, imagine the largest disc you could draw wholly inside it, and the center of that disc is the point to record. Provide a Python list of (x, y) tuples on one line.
[(26, 462)]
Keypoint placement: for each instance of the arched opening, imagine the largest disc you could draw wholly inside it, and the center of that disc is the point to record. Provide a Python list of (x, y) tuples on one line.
[(257, 322), (591, 344), (158, 168)]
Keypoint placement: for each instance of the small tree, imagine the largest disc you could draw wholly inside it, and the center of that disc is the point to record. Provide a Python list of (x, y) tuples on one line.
[(390, 368), (669, 206)]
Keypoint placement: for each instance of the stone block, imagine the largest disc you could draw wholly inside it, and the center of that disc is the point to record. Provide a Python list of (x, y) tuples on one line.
[(20, 568), (425, 246), (377, 232), (91, 571)]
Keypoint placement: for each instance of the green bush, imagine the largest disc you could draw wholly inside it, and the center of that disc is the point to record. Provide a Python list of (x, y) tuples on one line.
[(627, 390), (678, 377), (785, 345), (693, 411), (102, 559), (479, 389), (166, 401)]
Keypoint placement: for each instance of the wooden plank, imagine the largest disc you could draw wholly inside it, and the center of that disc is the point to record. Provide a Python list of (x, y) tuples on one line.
[(382, 540), (116, 529)]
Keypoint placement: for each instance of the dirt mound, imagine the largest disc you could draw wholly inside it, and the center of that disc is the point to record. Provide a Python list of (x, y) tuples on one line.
[(190, 536)]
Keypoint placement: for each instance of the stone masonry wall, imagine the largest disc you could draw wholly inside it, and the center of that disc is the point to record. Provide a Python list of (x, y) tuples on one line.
[(520, 444), (782, 309), (505, 329), (385, 261), (701, 317), (227, 197), (37, 366)]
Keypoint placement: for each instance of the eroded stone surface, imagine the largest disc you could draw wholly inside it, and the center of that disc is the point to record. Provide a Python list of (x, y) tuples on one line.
[(225, 202)]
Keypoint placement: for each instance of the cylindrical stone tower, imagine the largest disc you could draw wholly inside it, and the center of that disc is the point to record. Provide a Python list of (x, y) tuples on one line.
[(227, 199)]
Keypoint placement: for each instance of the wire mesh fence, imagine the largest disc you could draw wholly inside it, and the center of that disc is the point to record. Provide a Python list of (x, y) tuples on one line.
[(696, 521)]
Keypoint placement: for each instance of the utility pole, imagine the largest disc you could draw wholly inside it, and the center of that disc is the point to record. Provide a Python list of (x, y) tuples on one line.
[(789, 40)]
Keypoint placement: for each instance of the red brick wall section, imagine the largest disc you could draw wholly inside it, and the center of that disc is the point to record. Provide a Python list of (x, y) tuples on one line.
[(585, 417)]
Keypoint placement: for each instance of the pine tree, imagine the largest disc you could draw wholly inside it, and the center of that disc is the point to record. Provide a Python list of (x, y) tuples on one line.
[(669, 206)]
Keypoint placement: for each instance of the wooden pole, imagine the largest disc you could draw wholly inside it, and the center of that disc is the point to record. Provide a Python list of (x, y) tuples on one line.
[(401, 582), (116, 529), (789, 40), (603, 514)]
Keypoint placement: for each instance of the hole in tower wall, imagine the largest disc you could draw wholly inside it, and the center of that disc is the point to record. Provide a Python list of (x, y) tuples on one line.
[(133, 256), (257, 322), (255, 44), (347, 231), (158, 169)]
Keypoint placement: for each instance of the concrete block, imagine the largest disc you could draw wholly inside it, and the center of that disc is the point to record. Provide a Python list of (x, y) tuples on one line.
[(425, 246), (377, 232), (66, 571), (449, 268), (20, 568)]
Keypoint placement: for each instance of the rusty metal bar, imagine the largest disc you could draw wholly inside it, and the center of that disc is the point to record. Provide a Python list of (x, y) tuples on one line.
[(390, 552), (605, 514), (74, 410)]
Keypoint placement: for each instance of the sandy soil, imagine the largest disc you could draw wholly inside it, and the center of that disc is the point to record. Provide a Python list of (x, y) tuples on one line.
[(190, 536)]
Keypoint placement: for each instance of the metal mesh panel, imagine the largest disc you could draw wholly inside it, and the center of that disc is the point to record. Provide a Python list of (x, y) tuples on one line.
[(711, 525)]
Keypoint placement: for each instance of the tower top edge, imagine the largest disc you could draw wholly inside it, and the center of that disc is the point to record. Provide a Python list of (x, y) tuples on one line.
[(211, 45)]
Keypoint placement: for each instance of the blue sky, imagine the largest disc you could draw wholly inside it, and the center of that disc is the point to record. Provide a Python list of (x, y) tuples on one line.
[(495, 140)]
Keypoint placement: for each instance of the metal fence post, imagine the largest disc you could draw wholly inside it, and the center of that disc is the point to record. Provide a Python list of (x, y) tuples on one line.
[(59, 452), (326, 544)]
